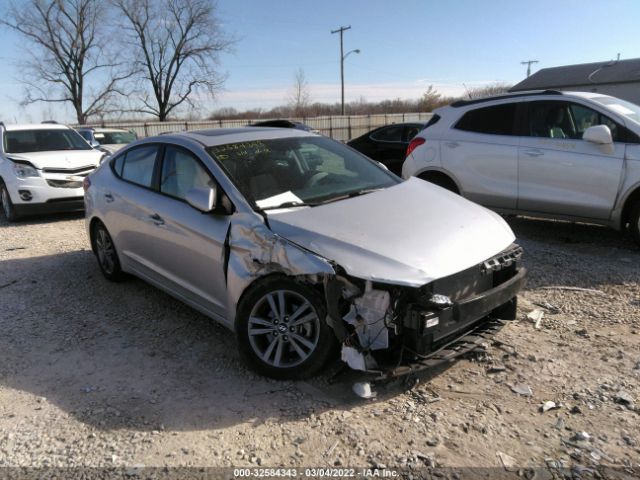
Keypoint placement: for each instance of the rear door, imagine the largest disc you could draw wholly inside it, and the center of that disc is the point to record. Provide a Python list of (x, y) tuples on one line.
[(131, 198), (559, 172), (481, 151)]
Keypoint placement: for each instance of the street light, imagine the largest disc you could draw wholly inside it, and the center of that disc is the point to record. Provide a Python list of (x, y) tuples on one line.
[(357, 50), (341, 31)]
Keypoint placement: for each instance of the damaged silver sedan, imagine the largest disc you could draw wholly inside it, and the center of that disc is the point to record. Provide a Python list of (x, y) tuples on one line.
[(305, 249)]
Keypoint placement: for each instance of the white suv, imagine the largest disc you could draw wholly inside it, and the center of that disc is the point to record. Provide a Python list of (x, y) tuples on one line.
[(42, 167), (567, 155)]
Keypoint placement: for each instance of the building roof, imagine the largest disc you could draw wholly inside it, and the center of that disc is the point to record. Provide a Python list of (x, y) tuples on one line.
[(614, 71)]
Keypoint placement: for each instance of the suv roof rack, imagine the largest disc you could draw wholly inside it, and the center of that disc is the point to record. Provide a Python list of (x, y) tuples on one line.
[(50, 121), (464, 103)]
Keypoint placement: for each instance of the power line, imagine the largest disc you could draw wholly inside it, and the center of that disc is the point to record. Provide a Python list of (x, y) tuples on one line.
[(528, 64)]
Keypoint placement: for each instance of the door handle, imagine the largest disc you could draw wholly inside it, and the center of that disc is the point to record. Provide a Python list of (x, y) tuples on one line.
[(157, 219), (534, 152), (452, 144), (108, 197)]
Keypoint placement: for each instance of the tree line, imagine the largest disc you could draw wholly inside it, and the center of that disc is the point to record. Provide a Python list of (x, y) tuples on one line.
[(107, 56), (300, 105)]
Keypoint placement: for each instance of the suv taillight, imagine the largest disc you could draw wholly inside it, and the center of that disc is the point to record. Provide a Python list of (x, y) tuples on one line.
[(86, 183), (416, 142)]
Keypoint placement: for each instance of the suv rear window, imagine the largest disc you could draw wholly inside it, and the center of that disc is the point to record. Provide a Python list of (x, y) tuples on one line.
[(494, 120)]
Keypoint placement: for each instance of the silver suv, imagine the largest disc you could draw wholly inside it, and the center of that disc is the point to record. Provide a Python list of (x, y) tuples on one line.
[(567, 155)]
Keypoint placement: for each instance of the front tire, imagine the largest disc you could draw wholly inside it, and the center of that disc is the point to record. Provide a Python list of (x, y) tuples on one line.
[(282, 331), (106, 253), (7, 205), (634, 222)]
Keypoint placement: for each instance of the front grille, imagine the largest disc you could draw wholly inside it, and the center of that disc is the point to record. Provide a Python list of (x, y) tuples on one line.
[(82, 171), (66, 200), (64, 183), (477, 279)]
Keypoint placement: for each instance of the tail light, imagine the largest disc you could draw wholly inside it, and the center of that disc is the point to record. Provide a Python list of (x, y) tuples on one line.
[(416, 142), (86, 183)]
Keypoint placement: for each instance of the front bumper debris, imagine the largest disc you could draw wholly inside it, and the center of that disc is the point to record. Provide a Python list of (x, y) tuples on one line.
[(388, 331), (469, 341)]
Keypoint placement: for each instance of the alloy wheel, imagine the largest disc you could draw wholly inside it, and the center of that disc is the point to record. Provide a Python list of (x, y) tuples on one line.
[(284, 329)]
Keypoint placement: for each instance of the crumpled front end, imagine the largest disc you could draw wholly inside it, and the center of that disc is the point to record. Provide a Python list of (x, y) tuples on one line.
[(384, 329), (392, 330)]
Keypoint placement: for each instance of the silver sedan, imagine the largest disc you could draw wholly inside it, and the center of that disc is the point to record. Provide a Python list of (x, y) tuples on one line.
[(303, 247)]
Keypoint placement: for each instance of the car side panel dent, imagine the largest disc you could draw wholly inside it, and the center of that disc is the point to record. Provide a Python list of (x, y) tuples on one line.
[(254, 251)]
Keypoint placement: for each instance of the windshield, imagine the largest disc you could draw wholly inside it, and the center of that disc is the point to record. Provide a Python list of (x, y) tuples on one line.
[(299, 170), (42, 140), (622, 107), (114, 138)]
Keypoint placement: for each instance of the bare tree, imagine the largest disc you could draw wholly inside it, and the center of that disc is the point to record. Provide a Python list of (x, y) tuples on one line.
[(488, 90), (300, 96), (66, 60), (175, 50)]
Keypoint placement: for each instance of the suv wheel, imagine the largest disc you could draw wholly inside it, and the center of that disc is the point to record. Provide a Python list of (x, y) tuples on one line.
[(281, 329), (7, 204), (634, 222), (106, 253)]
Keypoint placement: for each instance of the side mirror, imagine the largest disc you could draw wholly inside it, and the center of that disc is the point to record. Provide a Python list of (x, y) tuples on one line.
[(94, 144), (600, 134), (202, 198)]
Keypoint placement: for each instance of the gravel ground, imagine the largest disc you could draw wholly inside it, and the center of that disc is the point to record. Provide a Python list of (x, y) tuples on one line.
[(108, 375)]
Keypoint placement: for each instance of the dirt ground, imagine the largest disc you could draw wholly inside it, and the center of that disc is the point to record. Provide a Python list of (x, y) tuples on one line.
[(96, 374)]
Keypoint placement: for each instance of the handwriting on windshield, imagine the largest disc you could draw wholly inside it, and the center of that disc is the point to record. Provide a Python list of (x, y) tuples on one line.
[(240, 150)]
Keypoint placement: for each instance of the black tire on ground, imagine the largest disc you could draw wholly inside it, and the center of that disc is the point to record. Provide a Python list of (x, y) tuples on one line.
[(442, 181), (281, 329), (106, 253), (7, 205), (634, 222)]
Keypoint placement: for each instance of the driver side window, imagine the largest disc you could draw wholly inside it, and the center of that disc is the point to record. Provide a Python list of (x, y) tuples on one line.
[(181, 172)]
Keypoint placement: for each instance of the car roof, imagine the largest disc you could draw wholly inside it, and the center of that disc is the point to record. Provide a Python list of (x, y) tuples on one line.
[(221, 136), (531, 93), (35, 126)]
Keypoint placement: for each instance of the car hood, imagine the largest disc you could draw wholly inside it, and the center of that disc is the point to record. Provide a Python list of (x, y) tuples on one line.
[(410, 234), (65, 159)]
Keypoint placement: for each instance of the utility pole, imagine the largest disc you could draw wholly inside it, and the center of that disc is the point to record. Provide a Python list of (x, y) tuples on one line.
[(341, 30), (528, 64)]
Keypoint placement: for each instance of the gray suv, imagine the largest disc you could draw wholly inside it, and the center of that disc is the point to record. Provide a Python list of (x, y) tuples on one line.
[(566, 155)]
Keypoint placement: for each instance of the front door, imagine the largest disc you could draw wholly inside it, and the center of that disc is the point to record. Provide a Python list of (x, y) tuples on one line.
[(559, 172), (188, 248)]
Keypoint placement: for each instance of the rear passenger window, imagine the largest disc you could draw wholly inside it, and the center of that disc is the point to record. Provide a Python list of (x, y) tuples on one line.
[(495, 120), (388, 134), (138, 165)]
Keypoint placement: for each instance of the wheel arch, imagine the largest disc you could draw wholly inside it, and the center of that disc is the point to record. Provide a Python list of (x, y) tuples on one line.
[(434, 172), (632, 198)]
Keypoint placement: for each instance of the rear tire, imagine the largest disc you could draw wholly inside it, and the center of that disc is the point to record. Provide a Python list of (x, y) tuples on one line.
[(106, 253), (634, 222), (282, 330), (7, 205)]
